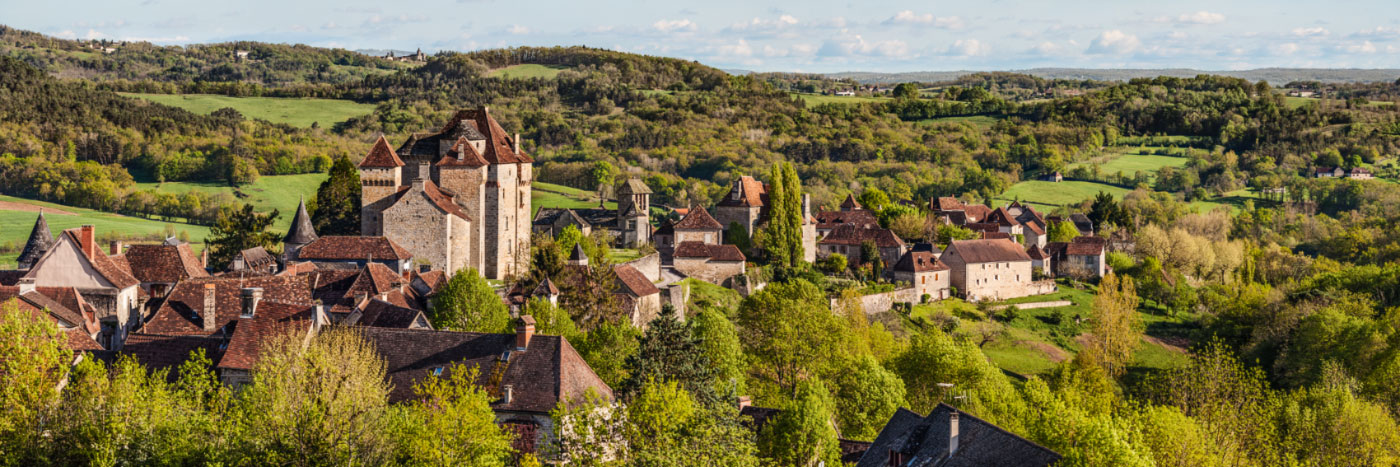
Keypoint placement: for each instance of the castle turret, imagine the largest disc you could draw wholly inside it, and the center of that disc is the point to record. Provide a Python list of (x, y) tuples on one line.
[(381, 174), (301, 233), (40, 240)]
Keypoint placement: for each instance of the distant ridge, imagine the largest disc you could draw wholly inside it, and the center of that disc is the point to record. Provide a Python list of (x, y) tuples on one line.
[(1275, 76)]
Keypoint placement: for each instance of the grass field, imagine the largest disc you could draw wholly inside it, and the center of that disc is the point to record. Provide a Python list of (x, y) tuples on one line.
[(549, 195), (977, 121), (1129, 162), (292, 111), (704, 295), (819, 99), (1050, 194), (527, 71), (15, 225), (280, 192)]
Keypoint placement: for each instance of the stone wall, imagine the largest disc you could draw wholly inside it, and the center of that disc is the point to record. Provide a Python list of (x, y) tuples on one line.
[(469, 186), (809, 242), (649, 265), (714, 272), (884, 301), (933, 283), (421, 228), (377, 188), (706, 236), (994, 281), (747, 217)]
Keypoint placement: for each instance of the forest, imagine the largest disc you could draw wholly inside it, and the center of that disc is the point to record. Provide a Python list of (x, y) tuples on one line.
[(1290, 298)]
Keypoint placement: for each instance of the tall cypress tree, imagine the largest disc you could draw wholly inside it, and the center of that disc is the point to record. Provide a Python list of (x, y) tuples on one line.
[(336, 209)]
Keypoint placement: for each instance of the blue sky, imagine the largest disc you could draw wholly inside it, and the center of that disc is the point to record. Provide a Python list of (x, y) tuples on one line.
[(766, 35)]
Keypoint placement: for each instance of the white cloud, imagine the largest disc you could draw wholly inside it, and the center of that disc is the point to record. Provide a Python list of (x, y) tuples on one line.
[(740, 49), (518, 29), (674, 25), (1379, 31), (765, 26), (968, 48), (909, 17), (1364, 47), (1311, 32), (1114, 42), (1287, 48), (1201, 17), (856, 45)]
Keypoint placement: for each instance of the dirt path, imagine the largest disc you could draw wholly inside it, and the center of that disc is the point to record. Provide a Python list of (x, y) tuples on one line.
[(1175, 344), (23, 207), (1055, 354)]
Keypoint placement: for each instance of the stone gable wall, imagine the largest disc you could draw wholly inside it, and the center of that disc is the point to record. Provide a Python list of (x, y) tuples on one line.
[(421, 228), (714, 272)]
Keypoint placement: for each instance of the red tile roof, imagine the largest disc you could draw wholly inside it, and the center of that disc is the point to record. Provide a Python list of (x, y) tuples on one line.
[(462, 154), (633, 281), (694, 249), (850, 203), (1003, 217), (165, 353), (249, 336), (381, 156), (698, 219), (987, 251), (1034, 252), (437, 197), (996, 235), (946, 203), (352, 248), (831, 219), (1086, 246), (848, 234), (164, 263), (751, 193), (182, 312), (919, 261)]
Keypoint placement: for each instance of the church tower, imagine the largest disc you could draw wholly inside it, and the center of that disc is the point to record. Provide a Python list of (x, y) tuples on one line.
[(634, 212), (381, 174)]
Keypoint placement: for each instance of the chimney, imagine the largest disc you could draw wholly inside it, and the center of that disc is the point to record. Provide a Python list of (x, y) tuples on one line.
[(204, 257), (515, 143), (806, 207), (524, 332), (745, 401), (250, 297), (423, 168), (26, 285), (88, 243), (506, 393), (207, 314), (952, 432), (320, 318), (116, 248)]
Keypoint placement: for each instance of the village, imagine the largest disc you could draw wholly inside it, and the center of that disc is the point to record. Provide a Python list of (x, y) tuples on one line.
[(457, 201)]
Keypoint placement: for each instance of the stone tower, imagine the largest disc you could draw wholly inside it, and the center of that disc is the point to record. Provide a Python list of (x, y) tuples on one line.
[(381, 174), (634, 212), (40, 240), (462, 171), (301, 233)]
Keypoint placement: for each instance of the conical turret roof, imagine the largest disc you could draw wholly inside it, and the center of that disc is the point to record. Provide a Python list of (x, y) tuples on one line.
[(302, 232), (40, 240)]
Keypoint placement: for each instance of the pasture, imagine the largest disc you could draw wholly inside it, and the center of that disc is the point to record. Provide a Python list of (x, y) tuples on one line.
[(527, 71), (298, 112)]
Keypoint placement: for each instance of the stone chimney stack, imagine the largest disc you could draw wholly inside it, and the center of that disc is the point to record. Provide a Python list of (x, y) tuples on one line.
[(204, 257), (250, 296), (952, 432), (89, 244), (210, 303), (423, 173), (26, 285), (507, 393), (115, 248), (806, 208), (745, 401), (515, 143), (524, 332)]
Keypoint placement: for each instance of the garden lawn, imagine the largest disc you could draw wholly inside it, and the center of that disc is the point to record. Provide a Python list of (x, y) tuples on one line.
[(1130, 163), (1051, 194), (704, 295), (299, 112)]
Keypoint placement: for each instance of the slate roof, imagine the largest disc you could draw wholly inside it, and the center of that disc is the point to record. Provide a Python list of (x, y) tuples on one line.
[(848, 234), (589, 217), (353, 248), (546, 373), (632, 281), (545, 287), (698, 219), (40, 240), (752, 193), (380, 313), (578, 254), (987, 251), (301, 232), (634, 186), (694, 249), (919, 261), (924, 441), (831, 219), (474, 125), (381, 156), (164, 263), (1082, 223), (256, 257), (284, 297)]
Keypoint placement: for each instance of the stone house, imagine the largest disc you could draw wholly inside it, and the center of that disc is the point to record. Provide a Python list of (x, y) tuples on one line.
[(64, 306), (472, 163), (746, 204), (75, 261), (697, 226), (828, 221), (949, 437), (1040, 260), (847, 240), (526, 375), (1329, 172), (159, 267), (1085, 256), (430, 225), (925, 273), (355, 252), (639, 297), (988, 269), (1006, 222), (952, 211), (1359, 173), (629, 225), (707, 262)]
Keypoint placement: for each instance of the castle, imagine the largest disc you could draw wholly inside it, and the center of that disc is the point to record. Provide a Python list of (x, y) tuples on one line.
[(457, 198)]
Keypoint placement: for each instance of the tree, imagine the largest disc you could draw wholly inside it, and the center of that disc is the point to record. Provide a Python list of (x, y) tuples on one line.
[(237, 230), (450, 422), (668, 351), (738, 236), (607, 347), (873, 199), (949, 232), (803, 434), (908, 226), (790, 333), (468, 303), (782, 237), (870, 258), (551, 320), (719, 342), (35, 361), (832, 264), (906, 91), (336, 208), (867, 395), (1063, 231), (321, 402), (666, 427), (602, 175), (1116, 328)]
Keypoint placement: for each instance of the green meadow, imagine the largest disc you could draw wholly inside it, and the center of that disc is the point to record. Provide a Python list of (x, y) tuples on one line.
[(299, 112)]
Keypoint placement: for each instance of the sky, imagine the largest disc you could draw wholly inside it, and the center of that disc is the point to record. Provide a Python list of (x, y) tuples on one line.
[(768, 35)]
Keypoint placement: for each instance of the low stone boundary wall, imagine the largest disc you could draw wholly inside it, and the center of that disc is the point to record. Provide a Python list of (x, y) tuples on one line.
[(884, 301)]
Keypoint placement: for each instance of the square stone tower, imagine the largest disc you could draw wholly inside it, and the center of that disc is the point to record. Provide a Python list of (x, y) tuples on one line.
[(381, 175)]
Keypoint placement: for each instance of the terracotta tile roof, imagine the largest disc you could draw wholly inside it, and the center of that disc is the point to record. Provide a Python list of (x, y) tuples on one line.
[(462, 154), (848, 234), (383, 314), (103, 264), (302, 267), (550, 371), (284, 297), (983, 226), (381, 156), (946, 203), (165, 353), (919, 261), (62, 305), (248, 337), (976, 212), (1003, 217), (432, 280), (546, 287), (352, 248), (832, 219), (705, 250), (436, 196), (996, 236), (751, 193), (633, 281), (40, 240), (79, 340), (1086, 246), (164, 263), (698, 219), (850, 203), (1034, 252), (921, 440), (256, 257), (987, 251), (1034, 228), (301, 232)]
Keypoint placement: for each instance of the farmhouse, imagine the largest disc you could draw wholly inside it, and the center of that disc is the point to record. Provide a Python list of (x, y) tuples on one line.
[(75, 261), (923, 271), (989, 269), (847, 239)]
